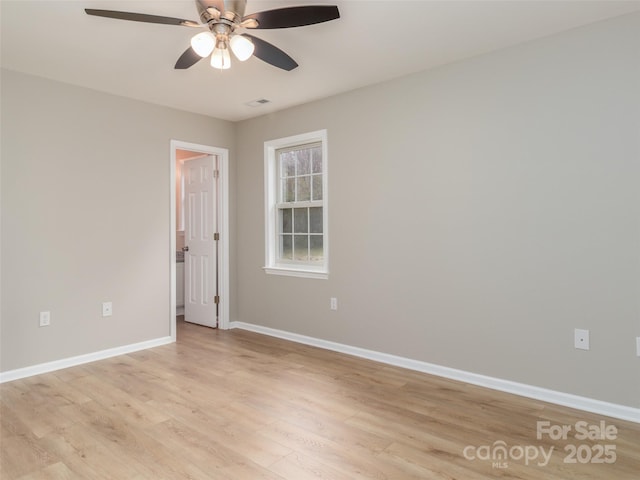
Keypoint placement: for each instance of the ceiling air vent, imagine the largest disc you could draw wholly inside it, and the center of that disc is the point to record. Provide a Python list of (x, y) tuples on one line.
[(257, 103)]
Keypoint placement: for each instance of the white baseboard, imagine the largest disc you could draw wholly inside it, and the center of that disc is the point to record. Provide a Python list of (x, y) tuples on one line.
[(80, 359), (560, 398)]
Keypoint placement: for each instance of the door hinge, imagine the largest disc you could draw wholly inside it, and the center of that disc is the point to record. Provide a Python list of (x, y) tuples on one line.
[(216, 299), (216, 236), (216, 173)]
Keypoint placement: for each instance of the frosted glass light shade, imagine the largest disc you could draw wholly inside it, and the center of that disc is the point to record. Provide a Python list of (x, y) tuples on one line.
[(221, 58), (203, 43), (242, 47)]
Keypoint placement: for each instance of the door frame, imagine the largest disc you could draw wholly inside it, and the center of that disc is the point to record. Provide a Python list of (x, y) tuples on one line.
[(223, 222)]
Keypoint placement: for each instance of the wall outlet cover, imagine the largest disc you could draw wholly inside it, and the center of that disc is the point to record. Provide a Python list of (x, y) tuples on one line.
[(581, 339), (45, 319), (107, 309)]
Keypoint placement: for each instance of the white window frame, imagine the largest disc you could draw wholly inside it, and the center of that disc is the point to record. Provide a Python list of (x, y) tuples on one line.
[(272, 265)]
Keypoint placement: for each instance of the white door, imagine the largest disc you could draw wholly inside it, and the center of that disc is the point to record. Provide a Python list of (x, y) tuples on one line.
[(200, 262)]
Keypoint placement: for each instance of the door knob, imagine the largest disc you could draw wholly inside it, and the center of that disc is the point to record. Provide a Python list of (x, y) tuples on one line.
[(185, 249)]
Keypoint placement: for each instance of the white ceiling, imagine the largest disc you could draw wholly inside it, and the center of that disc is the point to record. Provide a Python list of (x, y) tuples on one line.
[(373, 41)]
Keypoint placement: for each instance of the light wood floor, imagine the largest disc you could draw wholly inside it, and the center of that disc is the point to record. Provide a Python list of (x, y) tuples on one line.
[(237, 405)]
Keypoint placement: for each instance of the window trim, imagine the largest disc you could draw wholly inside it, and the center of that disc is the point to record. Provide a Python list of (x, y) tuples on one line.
[(272, 266)]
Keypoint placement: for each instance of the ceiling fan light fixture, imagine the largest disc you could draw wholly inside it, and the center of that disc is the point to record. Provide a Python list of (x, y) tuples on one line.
[(220, 58), (203, 43), (241, 47)]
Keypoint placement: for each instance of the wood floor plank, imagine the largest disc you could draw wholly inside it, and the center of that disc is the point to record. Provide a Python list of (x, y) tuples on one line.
[(57, 471), (236, 405), (304, 467), (86, 452), (40, 417), (240, 437), (23, 454)]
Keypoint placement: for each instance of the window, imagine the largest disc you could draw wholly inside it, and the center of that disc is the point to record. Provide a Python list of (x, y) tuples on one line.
[(296, 205)]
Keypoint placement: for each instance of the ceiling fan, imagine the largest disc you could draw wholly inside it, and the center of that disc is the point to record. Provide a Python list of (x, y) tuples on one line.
[(222, 18)]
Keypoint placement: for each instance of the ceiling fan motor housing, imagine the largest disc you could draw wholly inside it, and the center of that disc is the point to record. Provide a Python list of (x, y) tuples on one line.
[(227, 11)]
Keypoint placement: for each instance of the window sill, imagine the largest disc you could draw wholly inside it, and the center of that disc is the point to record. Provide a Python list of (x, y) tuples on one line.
[(297, 272)]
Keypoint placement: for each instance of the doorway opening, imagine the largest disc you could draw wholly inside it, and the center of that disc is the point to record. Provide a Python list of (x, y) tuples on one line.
[(199, 189)]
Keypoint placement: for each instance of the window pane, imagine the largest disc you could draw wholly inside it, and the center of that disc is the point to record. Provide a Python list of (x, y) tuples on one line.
[(289, 189), (304, 162), (286, 250), (316, 253), (304, 189), (317, 187), (316, 155), (301, 247), (301, 220), (287, 164), (286, 220), (315, 219)]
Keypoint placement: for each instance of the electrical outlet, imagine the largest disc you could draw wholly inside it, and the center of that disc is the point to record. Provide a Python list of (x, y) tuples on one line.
[(581, 339), (333, 303), (638, 346), (107, 309), (45, 319)]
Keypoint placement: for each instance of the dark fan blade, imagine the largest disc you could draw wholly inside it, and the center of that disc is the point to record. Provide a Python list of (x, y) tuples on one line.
[(271, 54), (187, 59), (294, 16), (141, 17)]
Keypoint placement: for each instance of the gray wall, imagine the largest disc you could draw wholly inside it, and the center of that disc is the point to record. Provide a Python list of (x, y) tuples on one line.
[(478, 214), (85, 217)]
